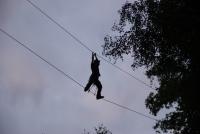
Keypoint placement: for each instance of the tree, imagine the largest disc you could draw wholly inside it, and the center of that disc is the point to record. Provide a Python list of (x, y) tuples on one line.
[(99, 130), (163, 36)]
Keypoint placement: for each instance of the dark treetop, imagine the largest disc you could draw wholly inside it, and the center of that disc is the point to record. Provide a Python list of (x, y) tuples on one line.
[(163, 36)]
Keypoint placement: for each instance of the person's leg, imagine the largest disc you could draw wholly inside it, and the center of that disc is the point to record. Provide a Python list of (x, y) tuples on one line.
[(90, 82), (99, 86)]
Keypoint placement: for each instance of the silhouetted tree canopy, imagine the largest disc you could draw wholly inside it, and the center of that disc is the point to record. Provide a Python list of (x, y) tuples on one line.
[(101, 129), (163, 36)]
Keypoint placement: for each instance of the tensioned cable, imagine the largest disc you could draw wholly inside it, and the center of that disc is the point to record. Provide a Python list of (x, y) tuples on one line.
[(68, 76), (82, 44)]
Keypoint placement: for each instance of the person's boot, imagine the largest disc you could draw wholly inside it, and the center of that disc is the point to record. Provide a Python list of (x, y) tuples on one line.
[(99, 97), (86, 89)]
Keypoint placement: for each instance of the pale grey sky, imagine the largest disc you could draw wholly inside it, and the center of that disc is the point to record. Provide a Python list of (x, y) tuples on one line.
[(35, 98)]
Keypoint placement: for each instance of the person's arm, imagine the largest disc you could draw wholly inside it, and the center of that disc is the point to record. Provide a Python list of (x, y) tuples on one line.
[(93, 57), (92, 60)]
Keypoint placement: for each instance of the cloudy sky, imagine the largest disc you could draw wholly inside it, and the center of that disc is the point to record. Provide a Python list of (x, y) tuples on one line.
[(36, 99)]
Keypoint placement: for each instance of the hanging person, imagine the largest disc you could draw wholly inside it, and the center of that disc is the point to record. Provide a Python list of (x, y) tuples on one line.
[(94, 78)]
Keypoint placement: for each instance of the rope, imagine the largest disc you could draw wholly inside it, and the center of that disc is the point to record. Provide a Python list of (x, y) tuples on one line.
[(68, 76), (85, 46)]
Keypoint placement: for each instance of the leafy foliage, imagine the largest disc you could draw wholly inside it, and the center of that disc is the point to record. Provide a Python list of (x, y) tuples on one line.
[(163, 36), (99, 130)]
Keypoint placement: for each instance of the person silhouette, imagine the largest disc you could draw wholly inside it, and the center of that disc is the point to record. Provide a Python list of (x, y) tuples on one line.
[(94, 78)]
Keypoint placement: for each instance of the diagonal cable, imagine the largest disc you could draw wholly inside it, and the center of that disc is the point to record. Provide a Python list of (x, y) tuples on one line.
[(85, 46), (68, 76)]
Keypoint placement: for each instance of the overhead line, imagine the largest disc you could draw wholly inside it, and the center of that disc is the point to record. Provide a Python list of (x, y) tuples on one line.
[(68, 76), (60, 26), (129, 109), (33, 52), (82, 44)]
